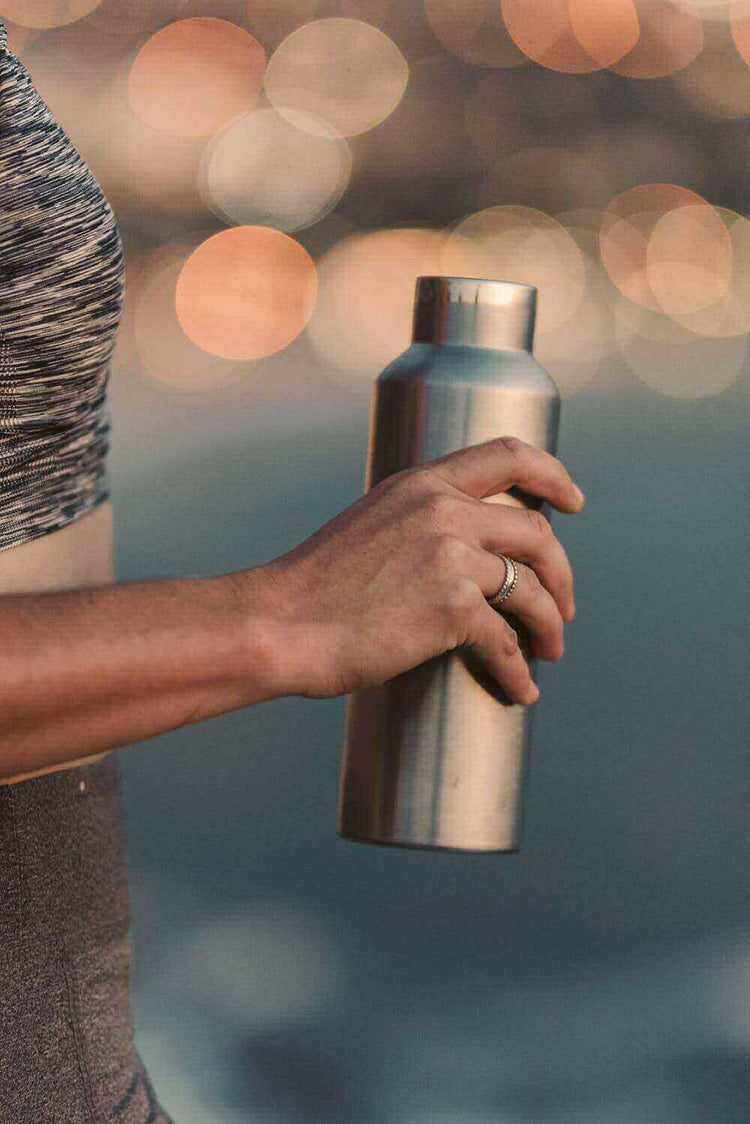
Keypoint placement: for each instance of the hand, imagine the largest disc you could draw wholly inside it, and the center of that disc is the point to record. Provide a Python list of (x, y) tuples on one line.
[(402, 575)]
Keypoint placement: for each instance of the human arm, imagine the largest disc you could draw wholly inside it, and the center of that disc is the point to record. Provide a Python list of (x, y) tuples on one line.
[(87, 670), (396, 578)]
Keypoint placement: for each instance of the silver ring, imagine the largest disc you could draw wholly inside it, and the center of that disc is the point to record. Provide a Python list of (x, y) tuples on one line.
[(511, 577)]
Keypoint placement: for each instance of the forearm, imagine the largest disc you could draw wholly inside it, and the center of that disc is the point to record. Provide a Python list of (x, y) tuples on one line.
[(86, 670)]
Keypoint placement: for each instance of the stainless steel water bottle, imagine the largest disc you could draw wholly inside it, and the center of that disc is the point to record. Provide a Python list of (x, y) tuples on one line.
[(437, 757)]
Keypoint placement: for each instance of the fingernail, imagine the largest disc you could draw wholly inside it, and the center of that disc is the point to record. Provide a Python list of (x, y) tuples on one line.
[(579, 494), (533, 693)]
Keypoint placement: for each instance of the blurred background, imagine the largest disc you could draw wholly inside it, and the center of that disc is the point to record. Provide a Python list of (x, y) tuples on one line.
[(282, 171)]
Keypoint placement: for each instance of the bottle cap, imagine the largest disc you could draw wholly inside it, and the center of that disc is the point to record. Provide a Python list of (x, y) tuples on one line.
[(474, 312)]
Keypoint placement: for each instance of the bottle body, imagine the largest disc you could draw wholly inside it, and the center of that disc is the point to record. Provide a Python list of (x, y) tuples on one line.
[(437, 757)]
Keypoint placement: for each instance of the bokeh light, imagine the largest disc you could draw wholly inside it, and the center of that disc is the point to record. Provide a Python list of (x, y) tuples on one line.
[(363, 317), (634, 319), (670, 38), (272, 963), (162, 350), (682, 365), (740, 24), (666, 248), (83, 108), (345, 71), (716, 83), (731, 992), (246, 292), (19, 38), (272, 20), (573, 352), (730, 315), (514, 243), (194, 75), (46, 13), (574, 36), (84, 43), (265, 169), (146, 169), (141, 266), (689, 259), (475, 31), (606, 29), (667, 352), (543, 31), (576, 350)]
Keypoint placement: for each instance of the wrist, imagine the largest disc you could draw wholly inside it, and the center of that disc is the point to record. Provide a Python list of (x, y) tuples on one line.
[(266, 641)]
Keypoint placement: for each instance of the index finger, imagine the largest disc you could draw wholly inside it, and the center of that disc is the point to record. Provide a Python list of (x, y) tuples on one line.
[(496, 465)]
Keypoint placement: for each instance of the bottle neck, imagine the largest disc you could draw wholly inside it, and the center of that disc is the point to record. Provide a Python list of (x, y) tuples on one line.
[(474, 312)]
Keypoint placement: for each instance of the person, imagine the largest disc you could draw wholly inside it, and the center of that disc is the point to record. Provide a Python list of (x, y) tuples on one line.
[(90, 664)]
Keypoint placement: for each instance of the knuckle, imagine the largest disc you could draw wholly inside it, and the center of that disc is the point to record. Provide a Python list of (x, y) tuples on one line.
[(411, 479), (462, 598), (508, 641), (540, 524), (439, 508), (418, 473), (512, 445), (393, 485), (448, 550)]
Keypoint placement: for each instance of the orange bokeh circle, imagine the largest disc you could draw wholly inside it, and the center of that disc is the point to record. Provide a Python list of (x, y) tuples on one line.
[(741, 29), (666, 248), (606, 29), (246, 292), (196, 74), (670, 39), (46, 14), (572, 36), (474, 30)]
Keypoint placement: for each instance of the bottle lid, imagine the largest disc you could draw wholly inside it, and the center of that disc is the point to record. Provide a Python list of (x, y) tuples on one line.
[(474, 312)]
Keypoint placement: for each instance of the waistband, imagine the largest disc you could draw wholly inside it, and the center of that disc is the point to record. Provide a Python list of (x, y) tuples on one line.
[(63, 865)]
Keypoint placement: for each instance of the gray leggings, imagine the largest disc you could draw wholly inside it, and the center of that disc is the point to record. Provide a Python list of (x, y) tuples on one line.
[(67, 1054)]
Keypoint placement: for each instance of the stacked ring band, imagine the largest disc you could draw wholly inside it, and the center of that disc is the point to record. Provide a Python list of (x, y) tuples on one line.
[(511, 577)]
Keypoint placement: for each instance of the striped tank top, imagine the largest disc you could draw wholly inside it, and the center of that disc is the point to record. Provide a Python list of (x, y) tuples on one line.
[(61, 296)]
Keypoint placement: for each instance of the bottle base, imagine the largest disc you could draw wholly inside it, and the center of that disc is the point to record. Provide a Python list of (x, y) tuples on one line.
[(427, 846)]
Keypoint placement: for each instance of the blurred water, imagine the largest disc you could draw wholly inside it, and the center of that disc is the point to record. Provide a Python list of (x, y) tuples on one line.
[(603, 974)]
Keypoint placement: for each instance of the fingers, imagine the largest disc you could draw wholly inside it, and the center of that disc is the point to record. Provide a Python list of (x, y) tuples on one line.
[(494, 466), (496, 644), (474, 624), (526, 536), (530, 602)]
